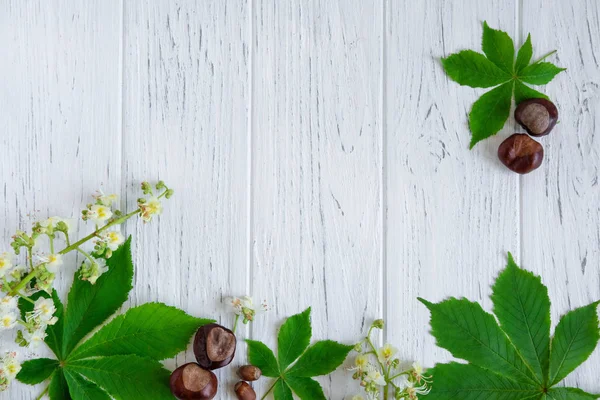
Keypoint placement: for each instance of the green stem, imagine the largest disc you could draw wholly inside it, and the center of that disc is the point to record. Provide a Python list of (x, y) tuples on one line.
[(269, 391), (237, 317), (43, 393), (86, 254), (69, 248), (385, 392), (51, 244), (26, 298), (545, 56)]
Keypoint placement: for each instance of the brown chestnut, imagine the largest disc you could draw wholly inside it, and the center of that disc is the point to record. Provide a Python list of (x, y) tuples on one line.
[(249, 373), (244, 391), (520, 153), (214, 346), (190, 381), (537, 116)]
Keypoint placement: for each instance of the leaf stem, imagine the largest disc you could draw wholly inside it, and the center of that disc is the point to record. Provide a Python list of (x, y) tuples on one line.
[(544, 57), (270, 389), (43, 393)]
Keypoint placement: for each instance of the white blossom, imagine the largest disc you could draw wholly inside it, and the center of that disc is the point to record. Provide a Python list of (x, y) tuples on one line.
[(8, 303), (150, 208), (43, 311), (5, 264), (52, 262), (386, 354), (35, 338), (8, 321), (99, 214), (112, 239), (9, 368)]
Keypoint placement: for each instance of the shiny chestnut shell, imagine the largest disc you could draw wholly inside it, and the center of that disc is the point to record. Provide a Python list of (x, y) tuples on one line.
[(537, 116), (520, 153), (214, 346), (244, 391), (192, 382)]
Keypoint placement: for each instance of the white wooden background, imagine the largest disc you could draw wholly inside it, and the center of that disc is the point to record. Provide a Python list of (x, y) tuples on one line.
[(318, 152)]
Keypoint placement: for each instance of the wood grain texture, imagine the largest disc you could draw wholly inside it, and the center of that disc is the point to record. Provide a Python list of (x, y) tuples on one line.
[(318, 152), (451, 213), (316, 168), (561, 201), (60, 119), (185, 121)]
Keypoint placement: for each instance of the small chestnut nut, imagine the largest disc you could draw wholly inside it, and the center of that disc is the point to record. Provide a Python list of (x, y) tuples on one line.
[(192, 382), (244, 391), (520, 153), (537, 116), (249, 373), (214, 346)]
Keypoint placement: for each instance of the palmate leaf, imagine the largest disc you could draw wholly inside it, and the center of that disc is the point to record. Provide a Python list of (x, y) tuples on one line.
[(516, 361), (297, 361), (497, 69), (522, 305), (120, 360)]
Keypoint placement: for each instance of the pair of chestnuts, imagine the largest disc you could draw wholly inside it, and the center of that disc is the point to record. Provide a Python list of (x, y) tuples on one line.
[(519, 152), (214, 347)]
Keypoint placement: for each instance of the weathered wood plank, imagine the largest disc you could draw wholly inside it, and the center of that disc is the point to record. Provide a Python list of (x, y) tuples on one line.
[(61, 129), (316, 168), (185, 121), (560, 201), (452, 213)]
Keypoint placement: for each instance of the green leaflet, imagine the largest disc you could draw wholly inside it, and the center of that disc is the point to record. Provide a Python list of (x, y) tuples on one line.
[(468, 332), (126, 377), (58, 389), (498, 48), (516, 360), (37, 370), (469, 382), (82, 388), (321, 358), (294, 338), (490, 112), (121, 360), (524, 55), (522, 306), (137, 332), (570, 394), (470, 68), (575, 338), (90, 305), (540, 73), (497, 67)]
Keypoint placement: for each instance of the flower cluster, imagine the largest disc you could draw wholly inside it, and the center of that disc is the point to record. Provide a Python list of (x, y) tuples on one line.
[(244, 307), (28, 269), (9, 368), (379, 370)]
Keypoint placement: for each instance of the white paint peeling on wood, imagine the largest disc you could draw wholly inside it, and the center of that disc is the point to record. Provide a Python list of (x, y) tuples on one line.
[(318, 152)]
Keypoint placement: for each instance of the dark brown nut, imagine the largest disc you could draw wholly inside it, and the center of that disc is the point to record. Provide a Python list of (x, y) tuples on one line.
[(249, 373), (214, 346), (537, 116), (244, 391), (190, 381), (520, 153)]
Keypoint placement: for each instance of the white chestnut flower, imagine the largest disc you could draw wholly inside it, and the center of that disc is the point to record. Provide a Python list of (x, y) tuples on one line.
[(35, 338), (112, 239), (99, 214), (375, 377), (5, 264), (150, 208), (52, 262), (9, 368), (43, 311), (105, 199), (8, 321), (386, 354)]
